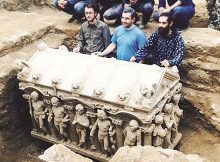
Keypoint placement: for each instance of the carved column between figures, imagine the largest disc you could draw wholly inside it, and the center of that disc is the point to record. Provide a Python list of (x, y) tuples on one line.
[(119, 131), (147, 130)]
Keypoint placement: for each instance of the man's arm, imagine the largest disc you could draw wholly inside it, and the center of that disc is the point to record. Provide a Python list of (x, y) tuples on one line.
[(142, 39), (170, 8), (144, 51), (106, 36), (178, 53), (108, 50)]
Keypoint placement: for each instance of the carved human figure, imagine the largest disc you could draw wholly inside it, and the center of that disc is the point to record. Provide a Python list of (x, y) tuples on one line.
[(133, 134), (177, 88), (60, 116), (147, 91), (176, 115), (177, 112), (168, 121), (159, 132), (81, 122), (39, 113), (105, 130)]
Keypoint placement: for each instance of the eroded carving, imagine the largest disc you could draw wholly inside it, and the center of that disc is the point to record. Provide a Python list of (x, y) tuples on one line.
[(133, 134), (105, 131), (82, 123), (159, 132), (60, 117)]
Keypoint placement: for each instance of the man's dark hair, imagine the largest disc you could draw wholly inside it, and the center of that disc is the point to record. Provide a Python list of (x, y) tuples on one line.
[(130, 10), (90, 5), (168, 15)]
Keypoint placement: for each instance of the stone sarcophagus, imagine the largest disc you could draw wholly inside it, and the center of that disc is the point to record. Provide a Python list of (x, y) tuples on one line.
[(95, 105)]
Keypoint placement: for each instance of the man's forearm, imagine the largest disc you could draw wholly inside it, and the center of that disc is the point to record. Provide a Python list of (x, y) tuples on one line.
[(178, 3), (108, 50)]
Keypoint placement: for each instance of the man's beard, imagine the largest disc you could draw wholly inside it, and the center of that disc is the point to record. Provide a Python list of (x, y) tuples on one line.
[(91, 19), (163, 31)]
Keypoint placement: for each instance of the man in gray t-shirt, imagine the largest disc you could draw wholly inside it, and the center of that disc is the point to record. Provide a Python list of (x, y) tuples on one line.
[(94, 35)]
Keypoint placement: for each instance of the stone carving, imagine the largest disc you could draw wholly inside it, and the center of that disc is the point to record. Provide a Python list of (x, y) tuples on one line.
[(42, 46), (76, 85), (177, 88), (133, 134), (23, 68), (177, 112), (60, 117), (62, 47), (35, 77), (39, 110), (168, 121), (96, 117), (159, 132), (82, 123), (148, 91), (98, 91), (176, 115), (123, 95), (105, 131)]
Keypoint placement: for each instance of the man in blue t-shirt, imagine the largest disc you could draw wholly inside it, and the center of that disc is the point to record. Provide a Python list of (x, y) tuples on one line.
[(128, 38)]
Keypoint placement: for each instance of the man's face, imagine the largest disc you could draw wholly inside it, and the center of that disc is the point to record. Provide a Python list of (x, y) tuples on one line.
[(126, 20), (164, 26), (133, 1), (90, 14)]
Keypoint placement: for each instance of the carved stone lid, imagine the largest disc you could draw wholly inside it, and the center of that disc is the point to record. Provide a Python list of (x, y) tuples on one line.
[(129, 84)]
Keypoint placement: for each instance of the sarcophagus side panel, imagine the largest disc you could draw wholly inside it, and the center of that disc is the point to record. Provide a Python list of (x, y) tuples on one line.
[(96, 105)]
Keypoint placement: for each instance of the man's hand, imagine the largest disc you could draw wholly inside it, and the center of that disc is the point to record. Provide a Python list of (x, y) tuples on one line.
[(166, 10), (126, 5), (76, 49), (62, 3), (101, 54), (96, 53), (160, 10), (165, 63), (133, 59)]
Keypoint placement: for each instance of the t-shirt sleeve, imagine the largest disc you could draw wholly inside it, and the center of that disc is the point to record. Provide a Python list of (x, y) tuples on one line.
[(106, 35), (114, 37), (141, 40)]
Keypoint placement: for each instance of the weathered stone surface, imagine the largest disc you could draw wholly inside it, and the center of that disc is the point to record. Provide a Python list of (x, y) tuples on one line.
[(201, 70), (60, 153), (153, 154), (43, 2), (201, 17), (31, 26), (202, 42), (18, 30), (13, 5), (202, 62), (207, 103)]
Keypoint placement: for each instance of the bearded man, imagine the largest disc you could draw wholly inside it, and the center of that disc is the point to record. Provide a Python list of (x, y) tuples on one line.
[(94, 35), (166, 45)]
